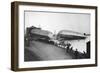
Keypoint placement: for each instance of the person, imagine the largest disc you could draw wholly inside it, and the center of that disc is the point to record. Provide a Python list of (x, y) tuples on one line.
[(84, 54), (71, 49), (76, 54), (68, 47)]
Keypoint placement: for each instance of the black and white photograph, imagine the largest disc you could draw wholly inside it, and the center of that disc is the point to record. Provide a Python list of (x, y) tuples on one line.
[(53, 36), (56, 36)]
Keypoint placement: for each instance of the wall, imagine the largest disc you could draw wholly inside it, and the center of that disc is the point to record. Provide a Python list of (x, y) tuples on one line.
[(5, 38)]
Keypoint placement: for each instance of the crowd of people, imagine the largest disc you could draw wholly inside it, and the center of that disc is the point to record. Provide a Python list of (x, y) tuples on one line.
[(73, 52)]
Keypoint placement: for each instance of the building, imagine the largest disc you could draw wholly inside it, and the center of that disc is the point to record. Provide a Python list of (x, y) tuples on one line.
[(37, 33), (77, 40), (70, 35)]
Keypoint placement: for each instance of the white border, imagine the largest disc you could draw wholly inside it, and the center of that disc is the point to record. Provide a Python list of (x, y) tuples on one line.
[(23, 64)]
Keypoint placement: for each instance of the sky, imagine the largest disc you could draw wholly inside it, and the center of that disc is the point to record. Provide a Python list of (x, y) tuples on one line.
[(54, 21)]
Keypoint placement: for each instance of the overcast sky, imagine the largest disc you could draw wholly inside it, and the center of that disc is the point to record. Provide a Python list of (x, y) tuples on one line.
[(53, 21)]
